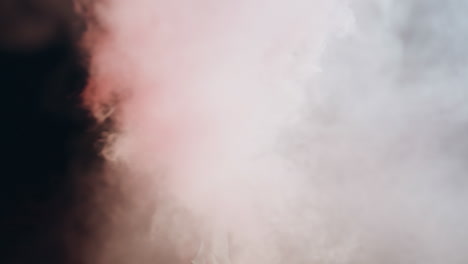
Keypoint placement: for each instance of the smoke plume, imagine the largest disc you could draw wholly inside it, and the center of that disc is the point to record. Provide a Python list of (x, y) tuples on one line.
[(280, 131)]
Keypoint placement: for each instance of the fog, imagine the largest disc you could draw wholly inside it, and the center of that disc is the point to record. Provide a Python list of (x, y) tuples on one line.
[(280, 131)]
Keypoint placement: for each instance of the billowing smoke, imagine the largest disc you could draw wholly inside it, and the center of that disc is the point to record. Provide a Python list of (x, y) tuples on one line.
[(280, 131)]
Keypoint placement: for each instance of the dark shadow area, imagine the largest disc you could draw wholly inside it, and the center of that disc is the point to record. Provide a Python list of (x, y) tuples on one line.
[(47, 139)]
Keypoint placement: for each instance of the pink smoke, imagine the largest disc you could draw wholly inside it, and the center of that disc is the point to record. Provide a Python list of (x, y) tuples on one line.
[(258, 131)]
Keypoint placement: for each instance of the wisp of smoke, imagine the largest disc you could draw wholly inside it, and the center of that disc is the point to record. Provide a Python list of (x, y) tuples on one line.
[(251, 132)]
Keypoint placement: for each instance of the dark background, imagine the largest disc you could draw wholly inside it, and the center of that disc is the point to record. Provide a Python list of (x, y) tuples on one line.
[(47, 139)]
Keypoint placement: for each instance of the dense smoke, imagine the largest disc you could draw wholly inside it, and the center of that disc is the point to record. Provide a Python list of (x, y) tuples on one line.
[(280, 131)]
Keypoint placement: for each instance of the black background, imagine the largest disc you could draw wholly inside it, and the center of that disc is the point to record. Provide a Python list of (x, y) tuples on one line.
[(47, 139)]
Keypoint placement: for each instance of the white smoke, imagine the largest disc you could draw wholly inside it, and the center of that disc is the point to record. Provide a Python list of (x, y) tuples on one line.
[(281, 131)]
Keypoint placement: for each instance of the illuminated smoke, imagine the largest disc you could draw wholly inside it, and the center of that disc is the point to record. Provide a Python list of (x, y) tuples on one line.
[(281, 131)]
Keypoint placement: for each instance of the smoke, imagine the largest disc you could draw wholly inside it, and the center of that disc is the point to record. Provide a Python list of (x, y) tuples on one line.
[(280, 131)]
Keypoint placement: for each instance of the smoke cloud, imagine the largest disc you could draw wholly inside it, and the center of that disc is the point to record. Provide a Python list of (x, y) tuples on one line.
[(280, 131)]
